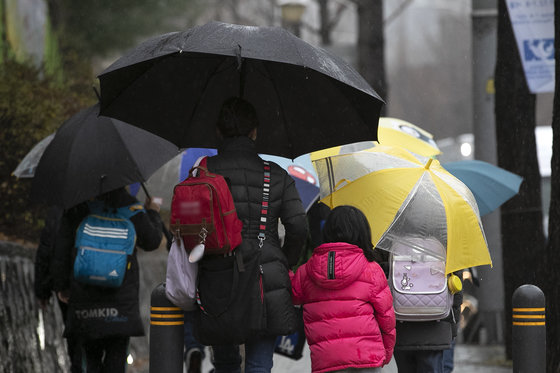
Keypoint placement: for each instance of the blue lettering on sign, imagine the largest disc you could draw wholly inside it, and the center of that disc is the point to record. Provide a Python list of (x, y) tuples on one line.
[(538, 49)]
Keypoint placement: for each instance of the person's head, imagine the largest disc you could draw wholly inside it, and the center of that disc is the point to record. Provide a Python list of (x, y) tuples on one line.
[(349, 224), (111, 198), (237, 117)]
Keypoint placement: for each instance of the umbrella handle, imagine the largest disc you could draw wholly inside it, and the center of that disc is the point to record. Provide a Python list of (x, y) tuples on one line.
[(335, 188), (167, 234), (145, 190)]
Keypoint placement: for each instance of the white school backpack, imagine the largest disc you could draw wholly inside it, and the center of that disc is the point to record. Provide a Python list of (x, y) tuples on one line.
[(417, 280)]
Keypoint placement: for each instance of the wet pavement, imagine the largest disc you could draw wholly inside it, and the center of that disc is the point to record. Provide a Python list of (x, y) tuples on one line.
[(468, 358)]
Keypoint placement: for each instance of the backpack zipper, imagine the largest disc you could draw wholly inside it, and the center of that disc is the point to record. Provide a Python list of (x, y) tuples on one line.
[(330, 266), (261, 282)]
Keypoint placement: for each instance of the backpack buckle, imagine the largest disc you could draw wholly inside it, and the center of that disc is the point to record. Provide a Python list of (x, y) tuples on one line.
[(203, 233), (261, 237)]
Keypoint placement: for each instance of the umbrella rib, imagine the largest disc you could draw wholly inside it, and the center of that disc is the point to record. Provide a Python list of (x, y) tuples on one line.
[(293, 41), (282, 111), (124, 145), (330, 172), (204, 90)]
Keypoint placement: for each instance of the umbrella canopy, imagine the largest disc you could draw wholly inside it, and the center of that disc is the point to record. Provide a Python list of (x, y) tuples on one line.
[(306, 99), (406, 195), (392, 132), (26, 168), (90, 155), (398, 132), (491, 185)]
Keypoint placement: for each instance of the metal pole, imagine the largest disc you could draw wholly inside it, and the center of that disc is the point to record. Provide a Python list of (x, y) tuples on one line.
[(529, 330), (166, 334), (491, 292)]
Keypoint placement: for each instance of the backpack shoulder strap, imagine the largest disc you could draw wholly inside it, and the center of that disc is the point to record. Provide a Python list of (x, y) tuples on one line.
[(200, 162), (264, 205), (130, 210)]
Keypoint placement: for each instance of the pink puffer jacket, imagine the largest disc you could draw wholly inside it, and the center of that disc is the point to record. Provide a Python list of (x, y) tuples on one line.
[(348, 309)]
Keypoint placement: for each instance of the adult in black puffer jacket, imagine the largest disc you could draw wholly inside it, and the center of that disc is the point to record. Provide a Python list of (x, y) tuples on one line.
[(239, 163), (104, 318)]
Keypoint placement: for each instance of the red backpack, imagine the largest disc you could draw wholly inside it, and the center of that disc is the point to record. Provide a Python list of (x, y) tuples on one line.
[(202, 211)]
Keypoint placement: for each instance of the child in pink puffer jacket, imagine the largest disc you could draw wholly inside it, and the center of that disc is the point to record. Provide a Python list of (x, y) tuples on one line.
[(347, 305)]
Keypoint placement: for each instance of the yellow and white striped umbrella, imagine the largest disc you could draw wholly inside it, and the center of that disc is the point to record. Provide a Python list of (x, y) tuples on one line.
[(402, 195), (392, 132)]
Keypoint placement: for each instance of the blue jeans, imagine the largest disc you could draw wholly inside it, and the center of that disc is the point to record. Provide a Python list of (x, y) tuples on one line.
[(258, 356), (190, 342), (419, 361), (448, 358)]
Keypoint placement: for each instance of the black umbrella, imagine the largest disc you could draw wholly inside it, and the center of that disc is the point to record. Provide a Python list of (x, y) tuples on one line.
[(306, 99), (92, 154)]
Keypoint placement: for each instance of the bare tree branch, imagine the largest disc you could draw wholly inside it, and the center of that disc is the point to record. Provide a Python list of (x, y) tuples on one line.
[(338, 14), (397, 12)]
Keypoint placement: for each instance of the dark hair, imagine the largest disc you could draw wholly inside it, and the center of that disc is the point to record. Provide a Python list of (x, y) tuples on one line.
[(112, 198), (237, 117), (349, 224)]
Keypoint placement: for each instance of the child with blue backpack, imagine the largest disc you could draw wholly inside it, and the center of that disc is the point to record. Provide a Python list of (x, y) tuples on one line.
[(103, 307)]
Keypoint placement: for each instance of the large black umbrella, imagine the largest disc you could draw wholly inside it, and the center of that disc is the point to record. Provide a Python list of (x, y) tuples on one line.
[(306, 99), (92, 154)]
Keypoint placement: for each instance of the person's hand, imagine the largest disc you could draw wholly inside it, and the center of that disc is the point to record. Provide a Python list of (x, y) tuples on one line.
[(63, 296), (152, 204)]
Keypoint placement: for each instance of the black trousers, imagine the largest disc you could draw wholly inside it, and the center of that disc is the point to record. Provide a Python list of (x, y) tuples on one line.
[(106, 355), (419, 361)]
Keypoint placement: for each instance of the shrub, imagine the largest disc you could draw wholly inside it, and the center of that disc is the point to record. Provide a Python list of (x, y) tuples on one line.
[(31, 107)]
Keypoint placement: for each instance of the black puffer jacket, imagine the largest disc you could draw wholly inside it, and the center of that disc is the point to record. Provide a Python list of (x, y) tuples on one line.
[(239, 163), (43, 284), (97, 312)]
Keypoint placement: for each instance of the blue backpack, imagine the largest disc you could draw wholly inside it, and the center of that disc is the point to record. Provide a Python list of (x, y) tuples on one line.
[(104, 240)]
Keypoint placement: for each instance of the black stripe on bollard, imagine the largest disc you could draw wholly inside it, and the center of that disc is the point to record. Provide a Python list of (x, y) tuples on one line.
[(529, 316), (167, 316)]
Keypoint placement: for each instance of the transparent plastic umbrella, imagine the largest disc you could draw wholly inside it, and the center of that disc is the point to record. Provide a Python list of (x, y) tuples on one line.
[(26, 168)]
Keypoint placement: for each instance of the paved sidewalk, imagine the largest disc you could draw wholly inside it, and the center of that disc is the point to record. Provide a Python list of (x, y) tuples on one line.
[(468, 359)]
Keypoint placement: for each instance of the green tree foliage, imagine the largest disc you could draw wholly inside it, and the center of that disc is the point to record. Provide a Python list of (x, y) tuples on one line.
[(34, 102), (98, 27), (31, 107)]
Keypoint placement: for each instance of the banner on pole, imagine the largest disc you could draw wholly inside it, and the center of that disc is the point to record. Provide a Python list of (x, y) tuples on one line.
[(533, 26)]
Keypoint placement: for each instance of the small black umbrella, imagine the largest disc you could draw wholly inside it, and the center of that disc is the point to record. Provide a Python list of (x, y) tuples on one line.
[(92, 154), (306, 99)]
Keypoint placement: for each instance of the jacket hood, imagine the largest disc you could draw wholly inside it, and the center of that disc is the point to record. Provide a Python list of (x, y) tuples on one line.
[(336, 265)]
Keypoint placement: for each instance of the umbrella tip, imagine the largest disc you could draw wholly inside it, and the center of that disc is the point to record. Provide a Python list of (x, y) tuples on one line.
[(427, 166)]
